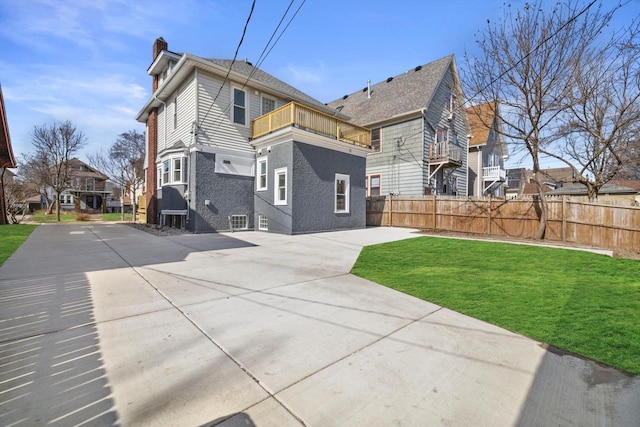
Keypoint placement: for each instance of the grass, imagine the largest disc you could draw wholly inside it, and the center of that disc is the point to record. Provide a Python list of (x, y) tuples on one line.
[(582, 302), (116, 217), (12, 236), (40, 217)]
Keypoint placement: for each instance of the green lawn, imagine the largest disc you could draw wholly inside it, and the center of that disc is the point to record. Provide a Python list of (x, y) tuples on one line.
[(12, 236), (40, 217), (116, 217), (582, 302)]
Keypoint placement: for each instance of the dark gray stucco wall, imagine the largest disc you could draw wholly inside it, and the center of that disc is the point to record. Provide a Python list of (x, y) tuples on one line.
[(280, 217), (228, 195), (171, 197), (313, 189)]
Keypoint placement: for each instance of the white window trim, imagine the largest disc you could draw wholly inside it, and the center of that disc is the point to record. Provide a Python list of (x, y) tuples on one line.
[(172, 170), (233, 106), (159, 177), (262, 227), (347, 191), (276, 188), (266, 174)]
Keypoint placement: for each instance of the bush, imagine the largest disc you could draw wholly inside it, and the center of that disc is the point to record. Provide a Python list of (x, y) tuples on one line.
[(81, 216)]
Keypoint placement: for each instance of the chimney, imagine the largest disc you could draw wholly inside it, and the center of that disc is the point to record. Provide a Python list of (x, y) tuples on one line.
[(158, 46), (368, 89)]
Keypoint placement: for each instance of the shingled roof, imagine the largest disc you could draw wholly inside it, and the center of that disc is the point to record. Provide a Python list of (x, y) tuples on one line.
[(7, 160), (406, 92), (246, 69), (480, 120)]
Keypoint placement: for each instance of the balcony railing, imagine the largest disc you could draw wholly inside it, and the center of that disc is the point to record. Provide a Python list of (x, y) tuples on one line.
[(443, 152), (311, 120), (494, 173)]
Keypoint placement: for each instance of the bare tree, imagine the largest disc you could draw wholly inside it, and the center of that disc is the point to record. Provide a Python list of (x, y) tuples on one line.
[(527, 62), (55, 144), (34, 172), (600, 127), (123, 163)]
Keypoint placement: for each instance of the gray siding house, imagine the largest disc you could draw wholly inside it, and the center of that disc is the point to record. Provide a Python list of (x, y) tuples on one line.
[(487, 152), (419, 131), (209, 168)]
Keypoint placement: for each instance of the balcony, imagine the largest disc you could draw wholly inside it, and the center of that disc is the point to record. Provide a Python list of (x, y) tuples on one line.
[(494, 173), (311, 120), (445, 154)]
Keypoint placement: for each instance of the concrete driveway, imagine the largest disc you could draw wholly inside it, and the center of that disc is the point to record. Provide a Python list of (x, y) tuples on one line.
[(108, 325)]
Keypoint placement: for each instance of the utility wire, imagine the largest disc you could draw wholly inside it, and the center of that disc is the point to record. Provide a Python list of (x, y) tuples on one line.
[(244, 31), (262, 58)]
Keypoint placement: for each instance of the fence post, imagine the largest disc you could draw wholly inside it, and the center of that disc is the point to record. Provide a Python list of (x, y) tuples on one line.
[(564, 218), (489, 218), (390, 210), (435, 208)]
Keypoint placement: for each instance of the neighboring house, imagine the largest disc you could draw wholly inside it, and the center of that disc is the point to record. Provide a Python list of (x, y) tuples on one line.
[(7, 160), (487, 152), (419, 131), (231, 147), (554, 177), (617, 191), (86, 189), (516, 179)]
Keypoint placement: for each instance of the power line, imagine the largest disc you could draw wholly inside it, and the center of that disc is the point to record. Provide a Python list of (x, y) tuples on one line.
[(262, 57), (244, 31)]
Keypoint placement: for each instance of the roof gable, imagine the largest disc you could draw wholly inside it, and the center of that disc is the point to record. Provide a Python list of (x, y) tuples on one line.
[(7, 160), (481, 121), (78, 168), (407, 92)]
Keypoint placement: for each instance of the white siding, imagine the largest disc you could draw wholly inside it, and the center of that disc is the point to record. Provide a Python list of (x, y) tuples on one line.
[(167, 135), (216, 125)]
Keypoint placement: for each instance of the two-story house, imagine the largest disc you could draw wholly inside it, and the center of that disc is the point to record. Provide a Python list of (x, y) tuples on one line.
[(86, 189), (487, 152), (418, 131), (231, 147)]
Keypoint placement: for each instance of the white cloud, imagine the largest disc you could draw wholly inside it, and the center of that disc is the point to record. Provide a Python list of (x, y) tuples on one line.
[(305, 74)]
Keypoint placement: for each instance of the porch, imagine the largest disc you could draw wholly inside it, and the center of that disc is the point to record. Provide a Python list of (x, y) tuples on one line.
[(445, 155)]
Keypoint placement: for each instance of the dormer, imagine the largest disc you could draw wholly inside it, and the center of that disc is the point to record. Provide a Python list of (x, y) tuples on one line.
[(163, 65)]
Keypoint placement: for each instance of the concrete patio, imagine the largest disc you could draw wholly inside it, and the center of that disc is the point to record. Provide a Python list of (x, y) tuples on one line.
[(104, 324)]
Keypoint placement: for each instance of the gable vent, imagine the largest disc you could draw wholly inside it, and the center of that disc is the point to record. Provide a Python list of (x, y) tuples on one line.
[(389, 79), (418, 68)]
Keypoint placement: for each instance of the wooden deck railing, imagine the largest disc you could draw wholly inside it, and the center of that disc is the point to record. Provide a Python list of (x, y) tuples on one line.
[(494, 173), (311, 120), (443, 152)]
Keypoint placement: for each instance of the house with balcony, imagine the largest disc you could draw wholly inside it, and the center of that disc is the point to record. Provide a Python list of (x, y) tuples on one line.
[(231, 147), (86, 189), (487, 152), (418, 131)]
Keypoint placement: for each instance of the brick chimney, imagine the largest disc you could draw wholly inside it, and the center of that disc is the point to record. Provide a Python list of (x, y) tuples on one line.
[(158, 46), (152, 134)]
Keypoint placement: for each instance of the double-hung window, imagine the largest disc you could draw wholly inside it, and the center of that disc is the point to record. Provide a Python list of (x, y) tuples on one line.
[(166, 165), (177, 169), (261, 179), (373, 187), (239, 106), (90, 184), (375, 139), (341, 193), (280, 187)]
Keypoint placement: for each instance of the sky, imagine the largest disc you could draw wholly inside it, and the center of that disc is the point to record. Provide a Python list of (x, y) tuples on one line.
[(87, 61)]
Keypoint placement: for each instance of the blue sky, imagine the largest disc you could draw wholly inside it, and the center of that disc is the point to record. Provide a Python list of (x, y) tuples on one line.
[(86, 61)]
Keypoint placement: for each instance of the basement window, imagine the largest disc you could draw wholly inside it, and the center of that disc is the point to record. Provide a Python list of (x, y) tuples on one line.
[(238, 222), (263, 223)]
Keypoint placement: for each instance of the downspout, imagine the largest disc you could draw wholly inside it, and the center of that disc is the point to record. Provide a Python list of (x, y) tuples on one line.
[(164, 131)]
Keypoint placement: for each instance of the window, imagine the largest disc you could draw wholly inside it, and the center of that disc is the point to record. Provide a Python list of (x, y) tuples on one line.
[(90, 184), (261, 179), (342, 193), (280, 187), (177, 169), (238, 222), (375, 139), (268, 105), (263, 223), (373, 185), (442, 135), (175, 113), (165, 172), (239, 106), (185, 171)]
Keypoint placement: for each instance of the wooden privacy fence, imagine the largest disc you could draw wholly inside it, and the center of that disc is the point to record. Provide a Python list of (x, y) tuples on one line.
[(142, 209), (581, 222)]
